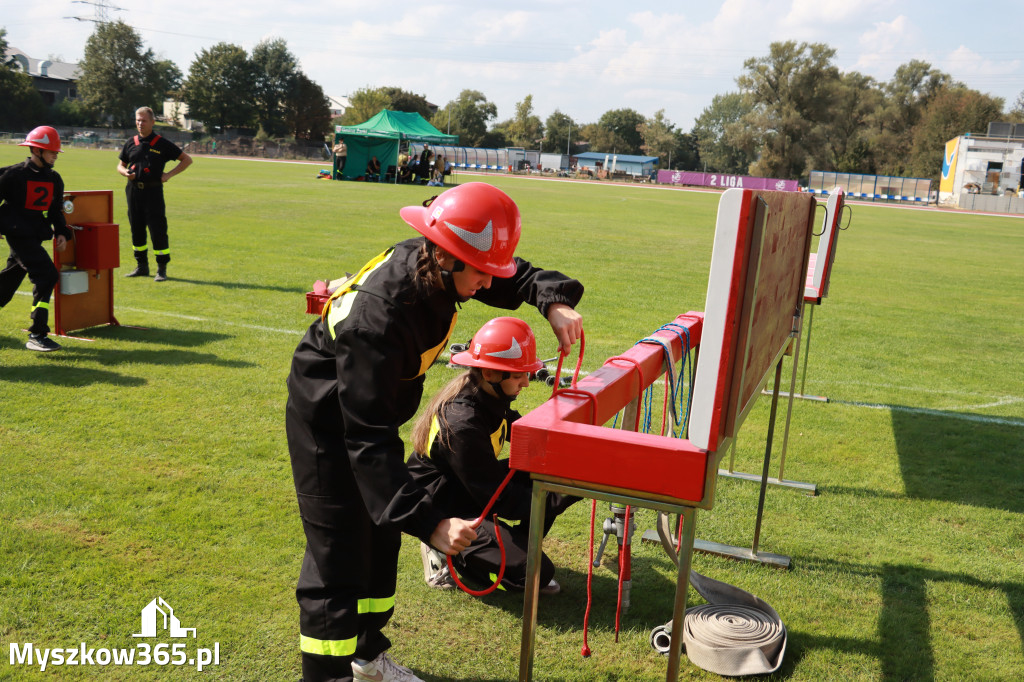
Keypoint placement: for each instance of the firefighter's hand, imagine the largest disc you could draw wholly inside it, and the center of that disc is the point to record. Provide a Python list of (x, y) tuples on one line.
[(453, 535), (61, 243), (567, 325)]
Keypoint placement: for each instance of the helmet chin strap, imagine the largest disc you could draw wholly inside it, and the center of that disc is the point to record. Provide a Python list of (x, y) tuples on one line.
[(448, 278), (496, 385), (48, 166)]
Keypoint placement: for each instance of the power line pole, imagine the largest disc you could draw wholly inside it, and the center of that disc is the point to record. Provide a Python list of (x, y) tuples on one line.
[(101, 11)]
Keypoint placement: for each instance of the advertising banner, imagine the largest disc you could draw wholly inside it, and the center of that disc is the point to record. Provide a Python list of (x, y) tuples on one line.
[(949, 165), (724, 181)]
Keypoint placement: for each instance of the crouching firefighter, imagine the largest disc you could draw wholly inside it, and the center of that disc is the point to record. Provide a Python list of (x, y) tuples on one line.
[(31, 202), (355, 378), (457, 442)]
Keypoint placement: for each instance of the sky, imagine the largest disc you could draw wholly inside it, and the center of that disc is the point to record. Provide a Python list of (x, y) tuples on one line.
[(580, 57)]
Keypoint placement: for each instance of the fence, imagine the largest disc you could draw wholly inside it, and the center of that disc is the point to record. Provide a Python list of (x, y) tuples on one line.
[(469, 158), (221, 145), (876, 188)]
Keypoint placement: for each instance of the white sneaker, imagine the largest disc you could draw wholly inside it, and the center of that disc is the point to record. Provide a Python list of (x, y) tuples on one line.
[(383, 669), (551, 588), (435, 568)]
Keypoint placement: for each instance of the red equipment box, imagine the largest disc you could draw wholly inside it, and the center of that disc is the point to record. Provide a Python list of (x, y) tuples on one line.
[(315, 302), (96, 247)]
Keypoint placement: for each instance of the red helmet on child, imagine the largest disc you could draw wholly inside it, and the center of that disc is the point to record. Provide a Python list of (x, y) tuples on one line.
[(506, 344), (43, 137), (475, 222)]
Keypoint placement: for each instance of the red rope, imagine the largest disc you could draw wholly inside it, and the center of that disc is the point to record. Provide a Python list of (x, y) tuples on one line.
[(590, 579), (501, 545)]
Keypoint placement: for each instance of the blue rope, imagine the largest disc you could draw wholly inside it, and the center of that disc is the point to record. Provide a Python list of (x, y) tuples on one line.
[(680, 409)]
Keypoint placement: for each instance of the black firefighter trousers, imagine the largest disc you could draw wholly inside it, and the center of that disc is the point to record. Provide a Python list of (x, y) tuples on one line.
[(346, 588), (28, 256), (146, 208)]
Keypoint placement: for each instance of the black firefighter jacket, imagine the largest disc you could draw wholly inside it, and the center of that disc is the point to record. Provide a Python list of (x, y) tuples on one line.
[(366, 380), (32, 202)]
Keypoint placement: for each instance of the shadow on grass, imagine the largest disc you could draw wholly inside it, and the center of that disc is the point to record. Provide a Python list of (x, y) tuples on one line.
[(241, 285), (70, 377), (565, 610), (955, 459), (163, 336), (903, 641), (165, 358)]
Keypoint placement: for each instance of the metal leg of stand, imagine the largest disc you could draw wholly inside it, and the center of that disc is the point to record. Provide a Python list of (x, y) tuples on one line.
[(767, 459), (682, 585), (532, 590), (753, 554), (807, 349), (789, 408)]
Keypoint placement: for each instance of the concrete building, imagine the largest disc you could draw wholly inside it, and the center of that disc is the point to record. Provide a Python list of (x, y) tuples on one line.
[(55, 81), (985, 172)]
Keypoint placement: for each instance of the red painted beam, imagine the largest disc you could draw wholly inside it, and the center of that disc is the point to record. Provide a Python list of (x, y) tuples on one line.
[(562, 437)]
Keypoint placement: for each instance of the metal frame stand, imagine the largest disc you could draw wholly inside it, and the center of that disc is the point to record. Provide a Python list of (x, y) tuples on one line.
[(810, 488), (542, 485)]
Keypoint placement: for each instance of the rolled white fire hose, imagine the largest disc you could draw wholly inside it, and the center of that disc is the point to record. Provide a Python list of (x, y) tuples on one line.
[(735, 633)]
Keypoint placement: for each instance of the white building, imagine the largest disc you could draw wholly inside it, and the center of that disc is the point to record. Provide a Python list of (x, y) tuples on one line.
[(338, 105), (983, 166)]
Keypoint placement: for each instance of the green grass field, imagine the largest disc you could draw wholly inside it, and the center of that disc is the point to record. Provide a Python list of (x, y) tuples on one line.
[(150, 460)]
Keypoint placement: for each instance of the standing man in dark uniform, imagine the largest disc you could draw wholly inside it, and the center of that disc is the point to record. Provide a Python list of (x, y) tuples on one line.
[(142, 162), (31, 200)]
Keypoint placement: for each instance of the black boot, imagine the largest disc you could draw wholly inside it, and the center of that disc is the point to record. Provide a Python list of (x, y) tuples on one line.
[(161, 273), (141, 267)]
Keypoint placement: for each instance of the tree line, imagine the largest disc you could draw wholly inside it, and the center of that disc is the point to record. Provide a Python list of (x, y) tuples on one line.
[(793, 110), (262, 93)]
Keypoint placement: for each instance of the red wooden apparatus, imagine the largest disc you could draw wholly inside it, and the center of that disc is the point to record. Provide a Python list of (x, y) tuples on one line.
[(755, 287), (819, 271), (84, 296)]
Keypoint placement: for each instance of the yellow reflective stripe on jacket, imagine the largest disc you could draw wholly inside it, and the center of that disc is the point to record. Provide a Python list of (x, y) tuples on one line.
[(379, 605), (435, 429), (498, 437), (428, 356), (494, 578), (339, 305), (328, 647)]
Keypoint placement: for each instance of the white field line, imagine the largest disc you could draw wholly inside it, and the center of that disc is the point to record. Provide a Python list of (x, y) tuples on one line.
[(978, 418)]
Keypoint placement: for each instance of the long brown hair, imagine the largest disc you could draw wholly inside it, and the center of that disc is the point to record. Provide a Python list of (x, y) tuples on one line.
[(421, 429), (428, 272)]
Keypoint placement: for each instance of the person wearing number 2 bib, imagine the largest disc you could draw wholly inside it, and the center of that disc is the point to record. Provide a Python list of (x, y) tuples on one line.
[(31, 201)]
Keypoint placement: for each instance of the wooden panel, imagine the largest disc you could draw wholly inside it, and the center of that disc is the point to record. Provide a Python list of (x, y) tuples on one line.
[(88, 309), (755, 286)]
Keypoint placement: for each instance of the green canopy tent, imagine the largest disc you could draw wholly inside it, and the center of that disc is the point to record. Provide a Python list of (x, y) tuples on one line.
[(380, 136)]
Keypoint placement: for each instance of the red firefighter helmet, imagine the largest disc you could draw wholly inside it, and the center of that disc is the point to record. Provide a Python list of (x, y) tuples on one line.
[(475, 222), (506, 344), (43, 137)]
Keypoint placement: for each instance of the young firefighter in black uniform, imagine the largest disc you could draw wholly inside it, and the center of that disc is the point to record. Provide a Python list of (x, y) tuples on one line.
[(356, 377), (142, 161), (456, 444), (31, 202)]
